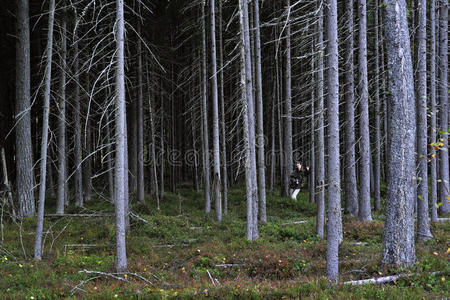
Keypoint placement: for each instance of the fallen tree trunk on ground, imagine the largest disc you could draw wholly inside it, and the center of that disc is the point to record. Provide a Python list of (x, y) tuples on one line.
[(78, 215), (386, 279)]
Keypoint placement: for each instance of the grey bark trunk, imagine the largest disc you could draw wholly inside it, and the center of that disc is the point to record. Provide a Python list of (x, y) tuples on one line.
[(377, 152), (222, 120), (259, 119), (44, 146), (443, 111), (215, 110), (109, 150), (77, 147), (87, 156), (398, 239), (24, 148), (320, 180), (120, 165), (249, 122), (312, 158), (432, 131), (61, 194), (140, 193), (287, 104), (334, 178), (154, 177), (351, 189), (205, 137), (423, 222), (364, 213)]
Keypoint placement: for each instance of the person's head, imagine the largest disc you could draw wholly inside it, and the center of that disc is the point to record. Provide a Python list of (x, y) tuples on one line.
[(298, 166)]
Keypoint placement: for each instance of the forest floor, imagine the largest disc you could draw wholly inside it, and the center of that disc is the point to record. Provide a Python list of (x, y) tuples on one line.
[(178, 252)]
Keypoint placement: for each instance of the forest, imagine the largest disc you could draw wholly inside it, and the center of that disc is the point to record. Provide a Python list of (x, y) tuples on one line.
[(247, 149)]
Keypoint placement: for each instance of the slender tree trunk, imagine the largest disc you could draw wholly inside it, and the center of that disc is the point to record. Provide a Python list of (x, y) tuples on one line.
[(24, 149), (140, 195), (443, 111), (351, 189), (121, 147), (87, 157), (272, 151), (132, 147), (260, 119), (377, 153), (206, 164), (61, 197), (364, 213), (287, 104), (334, 178), (320, 194), (77, 147), (249, 121), (398, 238), (222, 114), (312, 158), (44, 146), (109, 150), (423, 223), (154, 177), (432, 131), (215, 110)]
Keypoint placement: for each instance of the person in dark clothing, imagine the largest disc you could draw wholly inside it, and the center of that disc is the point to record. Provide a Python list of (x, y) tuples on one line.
[(297, 179)]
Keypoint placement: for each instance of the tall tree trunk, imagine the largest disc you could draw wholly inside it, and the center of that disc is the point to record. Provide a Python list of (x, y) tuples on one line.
[(260, 119), (24, 148), (77, 147), (443, 111), (154, 177), (215, 111), (320, 168), (206, 164), (433, 124), (377, 152), (121, 147), (109, 150), (312, 158), (287, 104), (222, 120), (87, 149), (272, 151), (398, 238), (334, 178), (61, 196), (249, 121), (132, 147), (351, 189), (423, 223), (44, 146), (140, 193), (364, 213)]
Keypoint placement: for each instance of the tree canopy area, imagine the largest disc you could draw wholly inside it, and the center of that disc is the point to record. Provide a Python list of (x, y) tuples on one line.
[(227, 149)]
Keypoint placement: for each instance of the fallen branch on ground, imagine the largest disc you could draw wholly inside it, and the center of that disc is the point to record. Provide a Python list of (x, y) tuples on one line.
[(133, 215), (442, 220), (227, 265), (78, 215), (84, 246), (386, 279), (295, 222)]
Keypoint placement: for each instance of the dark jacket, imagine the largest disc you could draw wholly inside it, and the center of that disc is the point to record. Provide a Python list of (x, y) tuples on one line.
[(298, 178)]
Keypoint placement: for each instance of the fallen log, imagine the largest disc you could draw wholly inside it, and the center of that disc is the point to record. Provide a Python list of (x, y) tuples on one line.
[(442, 220), (78, 215), (295, 222), (385, 279)]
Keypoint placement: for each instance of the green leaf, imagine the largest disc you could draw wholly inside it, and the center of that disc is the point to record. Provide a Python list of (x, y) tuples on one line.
[(419, 197)]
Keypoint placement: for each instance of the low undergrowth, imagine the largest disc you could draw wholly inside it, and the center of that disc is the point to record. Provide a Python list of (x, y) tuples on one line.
[(178, 252)]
